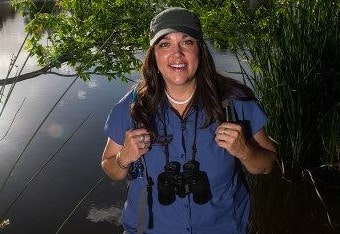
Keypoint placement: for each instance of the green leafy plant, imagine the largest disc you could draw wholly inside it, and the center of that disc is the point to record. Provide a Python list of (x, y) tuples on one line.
[(74, 31), (289, 51), (293, 50)]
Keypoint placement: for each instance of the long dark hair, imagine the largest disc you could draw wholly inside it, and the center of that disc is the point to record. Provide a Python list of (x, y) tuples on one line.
[(211, 89)]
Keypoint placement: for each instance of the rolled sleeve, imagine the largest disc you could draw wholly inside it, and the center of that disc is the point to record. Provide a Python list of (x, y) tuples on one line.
[(119, 120), (252, 114)]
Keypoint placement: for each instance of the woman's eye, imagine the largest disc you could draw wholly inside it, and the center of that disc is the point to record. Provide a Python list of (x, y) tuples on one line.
[(188, 42), (164, 44)]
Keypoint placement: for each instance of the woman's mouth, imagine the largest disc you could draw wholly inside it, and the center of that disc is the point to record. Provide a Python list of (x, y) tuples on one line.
[(178, 66)]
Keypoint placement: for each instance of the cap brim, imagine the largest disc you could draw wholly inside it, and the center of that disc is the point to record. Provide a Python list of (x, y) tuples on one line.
[(160, 34), (184, 29)]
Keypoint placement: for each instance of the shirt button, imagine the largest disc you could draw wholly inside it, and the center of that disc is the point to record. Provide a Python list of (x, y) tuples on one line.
[(186, 206)]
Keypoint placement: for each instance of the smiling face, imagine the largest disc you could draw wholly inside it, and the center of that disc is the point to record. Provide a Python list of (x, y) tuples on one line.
[(177, 58)]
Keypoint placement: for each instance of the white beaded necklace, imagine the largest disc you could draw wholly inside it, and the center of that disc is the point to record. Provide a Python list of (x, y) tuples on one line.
[(179, 102)]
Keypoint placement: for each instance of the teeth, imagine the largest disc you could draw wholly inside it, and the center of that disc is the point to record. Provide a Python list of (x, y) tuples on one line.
[(178, 65)]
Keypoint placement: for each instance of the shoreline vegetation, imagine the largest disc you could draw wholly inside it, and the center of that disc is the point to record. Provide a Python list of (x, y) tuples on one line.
[(293, 49)]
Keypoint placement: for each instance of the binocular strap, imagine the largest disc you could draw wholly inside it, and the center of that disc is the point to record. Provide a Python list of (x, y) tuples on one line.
[(145, 200), (141, 210)]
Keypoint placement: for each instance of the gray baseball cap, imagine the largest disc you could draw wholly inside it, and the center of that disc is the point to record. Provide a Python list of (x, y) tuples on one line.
[(175, 19)]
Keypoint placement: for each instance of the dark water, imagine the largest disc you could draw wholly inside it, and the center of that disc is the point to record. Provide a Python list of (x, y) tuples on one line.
[(73, 169)]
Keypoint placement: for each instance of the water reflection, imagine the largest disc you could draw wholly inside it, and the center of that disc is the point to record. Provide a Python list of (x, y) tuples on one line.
[(57, 131), (81, 94), (109, 214), (6, 12), (92, 84)]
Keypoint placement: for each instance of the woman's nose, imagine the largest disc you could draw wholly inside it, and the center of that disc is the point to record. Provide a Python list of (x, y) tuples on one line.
[(178, 50)]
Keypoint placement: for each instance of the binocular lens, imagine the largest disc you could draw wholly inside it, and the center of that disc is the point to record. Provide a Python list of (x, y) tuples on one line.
[(166, 196), (172, 182)]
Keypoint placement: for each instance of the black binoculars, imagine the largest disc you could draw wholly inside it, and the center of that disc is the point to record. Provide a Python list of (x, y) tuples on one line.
[(173, 182)]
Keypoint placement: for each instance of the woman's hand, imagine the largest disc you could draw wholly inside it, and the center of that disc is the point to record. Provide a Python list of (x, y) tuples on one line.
[(257, 154), (230, 136), (137, 142), (116, 158)]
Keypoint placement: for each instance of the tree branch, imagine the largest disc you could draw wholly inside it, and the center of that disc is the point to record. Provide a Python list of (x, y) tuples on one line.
[(25, 76), (43, 71), (60, 74)]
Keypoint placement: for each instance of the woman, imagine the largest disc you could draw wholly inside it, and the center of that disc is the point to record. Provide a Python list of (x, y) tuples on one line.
[(173, 123)]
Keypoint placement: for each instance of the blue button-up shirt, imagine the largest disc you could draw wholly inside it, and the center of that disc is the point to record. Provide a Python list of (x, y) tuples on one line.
[(228, 210)]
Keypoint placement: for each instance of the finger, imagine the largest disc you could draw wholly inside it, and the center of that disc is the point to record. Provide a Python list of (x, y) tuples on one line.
[(221, 137), (145, 138), (143, 145), (222, 143), (233, 126), (142, 137), (227, 135), (224, 133), (223, 128), (220, 130), (138, 138)]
